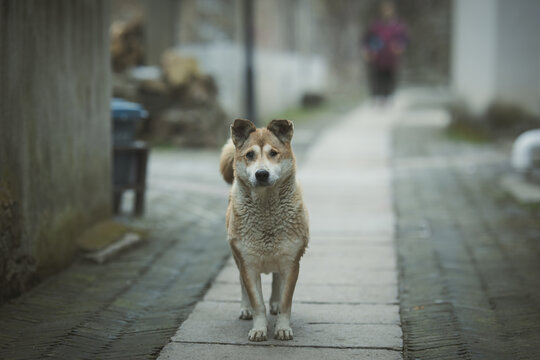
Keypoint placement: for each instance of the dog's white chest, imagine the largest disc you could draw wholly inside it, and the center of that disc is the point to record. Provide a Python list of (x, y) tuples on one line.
[(271, 257)]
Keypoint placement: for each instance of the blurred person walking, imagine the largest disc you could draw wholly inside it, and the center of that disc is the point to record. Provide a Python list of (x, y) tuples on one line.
[(383, 43)]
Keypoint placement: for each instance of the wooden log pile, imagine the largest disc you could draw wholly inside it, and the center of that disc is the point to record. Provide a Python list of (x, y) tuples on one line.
[(127, 44), (181, 100)]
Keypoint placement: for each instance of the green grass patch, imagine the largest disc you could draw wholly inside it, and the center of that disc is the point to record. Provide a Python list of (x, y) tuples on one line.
[(463, 132), (333, 104)]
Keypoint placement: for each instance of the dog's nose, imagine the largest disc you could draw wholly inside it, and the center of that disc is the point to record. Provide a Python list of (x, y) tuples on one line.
[(262, 175)]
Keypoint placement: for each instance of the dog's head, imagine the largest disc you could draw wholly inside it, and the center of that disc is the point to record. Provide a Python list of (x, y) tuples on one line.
[(263, 156)]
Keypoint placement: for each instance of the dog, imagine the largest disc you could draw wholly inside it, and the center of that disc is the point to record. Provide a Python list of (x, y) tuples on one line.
[(267, 221)]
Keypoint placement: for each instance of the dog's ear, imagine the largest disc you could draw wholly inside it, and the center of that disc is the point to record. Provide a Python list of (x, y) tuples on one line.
[(240, 130), (283, 129)]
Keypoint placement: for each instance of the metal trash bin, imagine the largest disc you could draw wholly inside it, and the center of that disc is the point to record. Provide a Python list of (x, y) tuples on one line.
[(129, 156)]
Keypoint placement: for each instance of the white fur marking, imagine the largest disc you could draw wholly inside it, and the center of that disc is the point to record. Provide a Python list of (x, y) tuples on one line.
[(257, 149)]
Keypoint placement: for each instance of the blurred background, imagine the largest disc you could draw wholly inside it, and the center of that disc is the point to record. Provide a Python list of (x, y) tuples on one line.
[(187, 68), (194, 65), (98, 96), (303, 52)]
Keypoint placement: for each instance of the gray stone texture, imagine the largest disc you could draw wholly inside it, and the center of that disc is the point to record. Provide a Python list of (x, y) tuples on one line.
[(214, 351), (55, 154), (468, 253), (129, 307)]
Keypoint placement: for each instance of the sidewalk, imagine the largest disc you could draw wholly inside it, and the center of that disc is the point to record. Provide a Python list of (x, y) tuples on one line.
[(130, 306), (469, 255), (345, 304)]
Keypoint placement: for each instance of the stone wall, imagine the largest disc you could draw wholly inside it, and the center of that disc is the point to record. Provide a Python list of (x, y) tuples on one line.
[(55, 152)]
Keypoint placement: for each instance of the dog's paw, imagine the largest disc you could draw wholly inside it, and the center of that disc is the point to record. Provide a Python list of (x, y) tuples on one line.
[(245, 314), (257, 334), (284, 333), (274, 308)]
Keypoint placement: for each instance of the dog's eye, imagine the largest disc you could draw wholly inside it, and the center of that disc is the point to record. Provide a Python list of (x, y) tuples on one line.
[(250, 155), (273, 153)]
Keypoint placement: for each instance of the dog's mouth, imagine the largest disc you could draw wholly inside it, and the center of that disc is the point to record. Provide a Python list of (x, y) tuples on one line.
[(259, 183)]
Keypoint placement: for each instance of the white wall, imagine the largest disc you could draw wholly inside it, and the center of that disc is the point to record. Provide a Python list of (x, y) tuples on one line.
[(280, 78), (518, 55), (496, 52), (225, 63), (474, 42)]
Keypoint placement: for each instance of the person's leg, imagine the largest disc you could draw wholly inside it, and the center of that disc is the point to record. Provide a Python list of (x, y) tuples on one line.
[(372, 80), (390, 82)]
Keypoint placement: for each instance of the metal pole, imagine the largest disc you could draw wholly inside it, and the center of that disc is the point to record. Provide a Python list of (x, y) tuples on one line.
[(249, 46)]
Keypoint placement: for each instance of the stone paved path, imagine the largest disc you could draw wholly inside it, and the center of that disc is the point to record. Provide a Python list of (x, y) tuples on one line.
[(469, 255), (345, 305), (129, 307)]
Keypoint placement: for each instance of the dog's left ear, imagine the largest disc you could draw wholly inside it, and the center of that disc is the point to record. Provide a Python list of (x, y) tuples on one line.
[(240, 131), (283, 129)]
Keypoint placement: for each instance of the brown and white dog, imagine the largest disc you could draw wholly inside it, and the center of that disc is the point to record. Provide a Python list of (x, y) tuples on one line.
[(267, 222)]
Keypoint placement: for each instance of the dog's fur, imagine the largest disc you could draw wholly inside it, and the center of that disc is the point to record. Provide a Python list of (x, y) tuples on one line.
[(267, 222)]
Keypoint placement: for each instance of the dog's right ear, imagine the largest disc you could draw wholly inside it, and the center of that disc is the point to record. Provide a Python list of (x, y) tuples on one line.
[(240, 131)]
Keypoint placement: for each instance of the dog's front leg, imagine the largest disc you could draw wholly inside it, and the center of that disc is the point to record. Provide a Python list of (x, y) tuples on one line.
[(276, 294), (245, 308), (252, 283), (283, 329)]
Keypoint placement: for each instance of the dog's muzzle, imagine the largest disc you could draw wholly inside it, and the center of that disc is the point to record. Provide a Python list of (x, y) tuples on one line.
[(262, 177)]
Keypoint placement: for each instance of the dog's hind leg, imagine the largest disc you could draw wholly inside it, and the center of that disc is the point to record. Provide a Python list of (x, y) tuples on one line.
[(276, 294), (245, 308)]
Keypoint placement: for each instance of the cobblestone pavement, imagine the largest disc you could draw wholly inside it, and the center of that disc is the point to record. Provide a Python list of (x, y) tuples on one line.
[(131, 306), (468, 261), (469, 256)]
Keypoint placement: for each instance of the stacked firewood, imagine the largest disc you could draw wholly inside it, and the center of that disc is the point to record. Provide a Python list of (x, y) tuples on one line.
[(127, 44), (181, 100)]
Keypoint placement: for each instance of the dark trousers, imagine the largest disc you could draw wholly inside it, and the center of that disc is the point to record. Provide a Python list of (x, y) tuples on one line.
[(382, 81)]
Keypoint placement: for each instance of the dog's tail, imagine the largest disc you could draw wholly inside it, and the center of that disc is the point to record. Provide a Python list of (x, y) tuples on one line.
[(226, 162)]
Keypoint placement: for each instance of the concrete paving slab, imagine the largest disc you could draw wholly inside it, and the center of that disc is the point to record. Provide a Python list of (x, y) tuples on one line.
[(351, 239), (307, 313), (323, 276), (364, 256), (378, 294), (191, 351), (346, 295), (323, 247), (326, 221), (362, 262), (305, 335)]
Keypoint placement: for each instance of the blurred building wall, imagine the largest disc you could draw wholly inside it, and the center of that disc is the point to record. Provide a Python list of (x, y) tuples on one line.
[(518, 54), (55, 152), (427, 59), (301, 45), (162, 20), (496, 52), (286, 65)]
